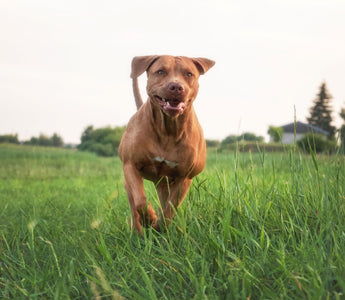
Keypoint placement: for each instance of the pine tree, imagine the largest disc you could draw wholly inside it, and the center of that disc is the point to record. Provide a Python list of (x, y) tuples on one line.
[(321, 111), (342, 130), (342, 114)]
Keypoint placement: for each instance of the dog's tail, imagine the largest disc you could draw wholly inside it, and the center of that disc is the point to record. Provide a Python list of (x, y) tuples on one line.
[(136, 91)]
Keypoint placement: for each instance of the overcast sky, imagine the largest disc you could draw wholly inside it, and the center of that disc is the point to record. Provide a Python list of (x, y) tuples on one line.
[(65, 65)]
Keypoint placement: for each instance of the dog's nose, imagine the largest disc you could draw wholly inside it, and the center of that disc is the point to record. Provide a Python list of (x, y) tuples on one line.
[(175, 87)]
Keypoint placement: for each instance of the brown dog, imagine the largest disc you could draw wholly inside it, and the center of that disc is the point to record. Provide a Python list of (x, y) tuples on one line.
[(163, 141)]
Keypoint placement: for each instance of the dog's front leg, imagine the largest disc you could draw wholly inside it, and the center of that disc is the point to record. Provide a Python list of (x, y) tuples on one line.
[(171, 196), (142, 213)]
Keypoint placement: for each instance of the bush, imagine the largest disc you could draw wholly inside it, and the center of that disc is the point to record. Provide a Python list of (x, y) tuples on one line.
[(103, 149), (212, 143), (246, 136), (317, 143), (102, 141), (254, 147)]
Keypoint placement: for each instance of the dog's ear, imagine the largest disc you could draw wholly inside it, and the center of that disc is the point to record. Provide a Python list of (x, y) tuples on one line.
[(140, 64), (203, 64)]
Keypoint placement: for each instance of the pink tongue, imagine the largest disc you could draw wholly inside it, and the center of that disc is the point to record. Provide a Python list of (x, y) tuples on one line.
[(174, 105)]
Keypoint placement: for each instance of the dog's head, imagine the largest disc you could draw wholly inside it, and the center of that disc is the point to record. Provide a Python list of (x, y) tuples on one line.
[(172, 83)]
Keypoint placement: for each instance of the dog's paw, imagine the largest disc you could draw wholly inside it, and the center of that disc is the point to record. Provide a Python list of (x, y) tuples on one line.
[(156, 226), (148, 216)]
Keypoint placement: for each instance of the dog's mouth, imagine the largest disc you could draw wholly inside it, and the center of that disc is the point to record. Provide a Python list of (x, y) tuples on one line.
[(171, 106)]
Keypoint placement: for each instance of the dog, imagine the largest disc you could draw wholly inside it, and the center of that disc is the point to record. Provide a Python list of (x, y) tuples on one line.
[(163, 141)]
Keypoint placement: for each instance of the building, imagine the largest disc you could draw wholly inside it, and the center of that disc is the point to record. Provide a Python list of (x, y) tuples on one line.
[(301, 130)]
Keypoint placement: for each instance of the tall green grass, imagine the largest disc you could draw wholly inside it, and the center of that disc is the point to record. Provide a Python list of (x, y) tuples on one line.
[(253, 226)]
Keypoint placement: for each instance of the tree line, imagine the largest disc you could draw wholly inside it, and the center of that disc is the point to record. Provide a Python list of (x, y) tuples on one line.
[(102, 141), (42, 140), (105, 141)]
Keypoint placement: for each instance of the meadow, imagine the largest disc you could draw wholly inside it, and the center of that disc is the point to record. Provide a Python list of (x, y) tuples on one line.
[(253, 226)]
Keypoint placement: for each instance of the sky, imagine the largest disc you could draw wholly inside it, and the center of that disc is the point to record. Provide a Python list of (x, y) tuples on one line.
[(65, 65)]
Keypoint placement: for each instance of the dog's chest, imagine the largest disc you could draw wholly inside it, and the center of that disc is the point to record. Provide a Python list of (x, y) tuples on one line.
[(156, 166), (160, 161)]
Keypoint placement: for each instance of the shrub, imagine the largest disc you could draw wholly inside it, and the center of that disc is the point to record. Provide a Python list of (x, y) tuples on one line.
[(317, 143), (103, 149), (212, 143), (254, 147), (246, 136)]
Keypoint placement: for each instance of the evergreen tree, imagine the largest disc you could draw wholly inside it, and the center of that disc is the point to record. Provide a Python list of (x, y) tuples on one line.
[(342, 114), (342, 130), (321, 111)]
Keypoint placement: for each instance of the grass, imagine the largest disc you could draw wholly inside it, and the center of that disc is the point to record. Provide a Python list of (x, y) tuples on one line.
[(253, 226)]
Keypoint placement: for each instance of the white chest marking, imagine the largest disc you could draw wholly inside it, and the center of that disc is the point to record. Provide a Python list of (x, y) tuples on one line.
[(170, 164)]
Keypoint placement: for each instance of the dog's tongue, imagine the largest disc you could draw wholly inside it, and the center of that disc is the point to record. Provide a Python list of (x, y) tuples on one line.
[(174, 105)]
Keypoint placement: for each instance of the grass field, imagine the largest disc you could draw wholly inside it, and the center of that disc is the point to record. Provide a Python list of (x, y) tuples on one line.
[(253, 226)]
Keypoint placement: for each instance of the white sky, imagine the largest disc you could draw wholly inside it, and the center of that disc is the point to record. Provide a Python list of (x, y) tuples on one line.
[(66, 64)]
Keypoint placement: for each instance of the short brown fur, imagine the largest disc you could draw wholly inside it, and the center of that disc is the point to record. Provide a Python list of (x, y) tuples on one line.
[(163, 141)]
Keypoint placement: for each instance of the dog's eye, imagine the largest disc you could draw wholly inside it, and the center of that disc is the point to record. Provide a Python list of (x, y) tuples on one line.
[(160, 72), (189, 74)]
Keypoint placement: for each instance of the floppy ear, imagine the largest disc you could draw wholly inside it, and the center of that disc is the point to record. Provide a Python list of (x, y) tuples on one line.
[(203, 64), (140, 64)]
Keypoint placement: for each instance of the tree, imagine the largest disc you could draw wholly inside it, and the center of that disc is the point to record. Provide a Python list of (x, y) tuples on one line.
[(342, 114), (9, 138), (102, 141), (342, 130), (276, 133), (230, 139), (321, 112), (250, 137), (87, 134), (43, 140), (56, 140)]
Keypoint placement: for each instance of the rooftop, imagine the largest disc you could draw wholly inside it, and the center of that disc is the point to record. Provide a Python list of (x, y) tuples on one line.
[(303, 128)]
